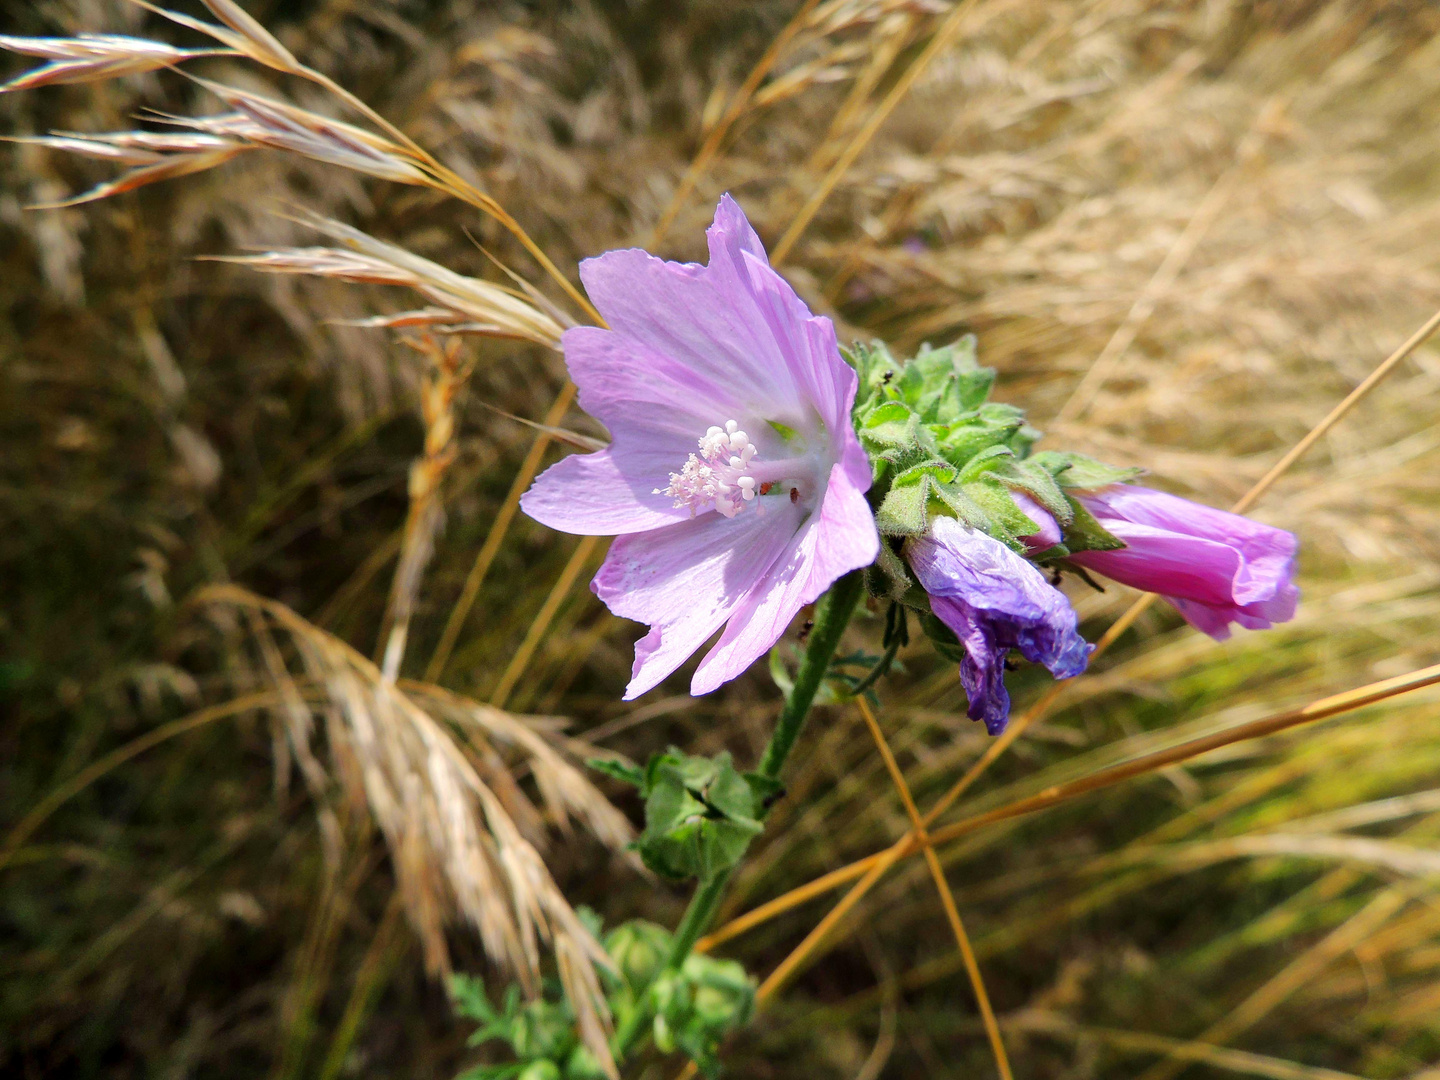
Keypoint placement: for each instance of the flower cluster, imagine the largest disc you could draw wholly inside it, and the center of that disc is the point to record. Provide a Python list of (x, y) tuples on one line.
[(963, 516)]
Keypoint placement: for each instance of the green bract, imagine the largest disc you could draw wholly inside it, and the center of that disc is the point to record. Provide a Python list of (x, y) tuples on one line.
[(937, 446), (700, 813)]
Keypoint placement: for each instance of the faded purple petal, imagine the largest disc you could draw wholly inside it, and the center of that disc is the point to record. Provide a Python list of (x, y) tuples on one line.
[(690, 348), (994, 600), (1215, 567)]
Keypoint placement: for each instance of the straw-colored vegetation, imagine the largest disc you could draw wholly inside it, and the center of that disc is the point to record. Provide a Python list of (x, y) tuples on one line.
[(295, 702)]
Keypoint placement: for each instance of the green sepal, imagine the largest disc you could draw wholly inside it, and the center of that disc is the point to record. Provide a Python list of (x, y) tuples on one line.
[(1084, 533), (1054, 553), (1081, 473), (964, 436), (640, 950), (764, 790), (944, 382), (986, 461), (700, 815), (887, 577), (1034, 480), (1004, 520)]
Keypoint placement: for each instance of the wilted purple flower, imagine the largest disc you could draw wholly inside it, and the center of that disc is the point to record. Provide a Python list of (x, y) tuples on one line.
[(735, 481), (1215, 567), (994, 601)]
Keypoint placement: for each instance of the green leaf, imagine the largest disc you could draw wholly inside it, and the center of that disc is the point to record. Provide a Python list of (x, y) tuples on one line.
[(618, 770), (700, 815), (1078, 472)]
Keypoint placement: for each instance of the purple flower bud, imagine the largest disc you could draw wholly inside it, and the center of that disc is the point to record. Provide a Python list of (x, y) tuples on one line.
[(994, 601), (1049, 534), (1215, 567)]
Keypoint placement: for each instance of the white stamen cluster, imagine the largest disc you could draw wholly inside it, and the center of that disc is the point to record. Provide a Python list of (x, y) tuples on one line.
[(718, 474)]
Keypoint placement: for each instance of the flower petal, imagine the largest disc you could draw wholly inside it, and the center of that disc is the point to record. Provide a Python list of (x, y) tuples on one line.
[(703, 317), (1049, 534), (840, 539), (982, 670), (684, 581), (598, 495), (1165, 562), (1215, 567)]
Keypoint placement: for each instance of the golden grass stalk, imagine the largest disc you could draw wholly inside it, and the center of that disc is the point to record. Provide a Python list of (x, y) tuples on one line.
[(496, 535), (579, 559), (241, 32), (278, 125), (944, 34), (1296, 974), (1170, 268), (454, 845), (736, 107), (1236, 1061), (68, 789), (445, 376), (462, 304), (942, 886)]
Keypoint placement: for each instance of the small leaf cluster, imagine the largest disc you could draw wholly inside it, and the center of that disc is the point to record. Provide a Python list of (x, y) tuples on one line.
[(690, 1008), (541, 1034), (938, 446), (698, 1004), (700, 813)]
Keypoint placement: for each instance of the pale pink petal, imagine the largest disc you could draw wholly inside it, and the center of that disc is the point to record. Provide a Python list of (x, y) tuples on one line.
[(684, 581), (703, 317), (842, 538), (596, 495)]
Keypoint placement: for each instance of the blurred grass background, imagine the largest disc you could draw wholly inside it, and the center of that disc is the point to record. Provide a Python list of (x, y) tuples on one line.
[(1231, 205)]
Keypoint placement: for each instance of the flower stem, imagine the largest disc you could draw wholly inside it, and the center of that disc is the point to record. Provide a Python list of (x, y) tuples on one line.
[(832, 615)]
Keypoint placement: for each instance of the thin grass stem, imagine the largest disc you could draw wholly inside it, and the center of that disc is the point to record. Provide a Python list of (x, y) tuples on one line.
[(579, 559), (733, 111), (26, 826), (496, 535), (944, 34), (942, 886)]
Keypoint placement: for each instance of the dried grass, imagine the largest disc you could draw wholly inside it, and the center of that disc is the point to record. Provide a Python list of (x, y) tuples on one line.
[(1232, 204)]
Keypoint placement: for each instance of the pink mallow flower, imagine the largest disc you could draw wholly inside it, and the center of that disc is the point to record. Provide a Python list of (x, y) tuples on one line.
[(1215, 567), (734, 481)]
